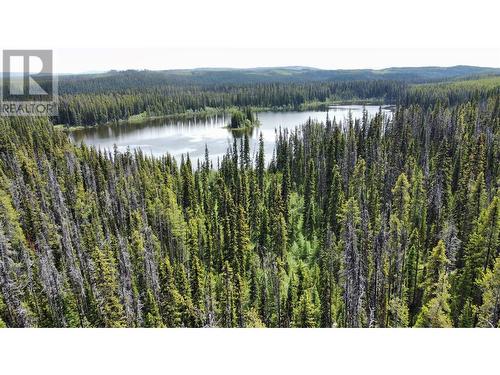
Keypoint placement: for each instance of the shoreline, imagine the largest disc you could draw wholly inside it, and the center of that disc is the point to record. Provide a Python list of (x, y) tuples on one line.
[(207, 112)]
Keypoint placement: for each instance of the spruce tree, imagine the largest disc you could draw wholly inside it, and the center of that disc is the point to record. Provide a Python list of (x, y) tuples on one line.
[(489, 312), (436, 310)]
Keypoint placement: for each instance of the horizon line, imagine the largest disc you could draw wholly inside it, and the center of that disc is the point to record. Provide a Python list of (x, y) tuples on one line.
[(208, 68)]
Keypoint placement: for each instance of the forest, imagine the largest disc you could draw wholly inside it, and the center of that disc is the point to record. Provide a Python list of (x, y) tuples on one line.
[(89, 100), (369, 222)]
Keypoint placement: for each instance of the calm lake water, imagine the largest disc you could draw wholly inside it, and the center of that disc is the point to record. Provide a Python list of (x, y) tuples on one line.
[(178, 137)]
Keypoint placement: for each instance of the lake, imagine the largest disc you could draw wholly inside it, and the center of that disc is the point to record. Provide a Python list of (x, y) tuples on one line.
[(177, 137)]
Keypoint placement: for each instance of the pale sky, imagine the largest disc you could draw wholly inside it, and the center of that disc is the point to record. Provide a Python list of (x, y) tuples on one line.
[(91, 59), (98, 35)]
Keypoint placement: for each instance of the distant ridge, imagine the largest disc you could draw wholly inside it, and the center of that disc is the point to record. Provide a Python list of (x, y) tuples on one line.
[(129, 79)]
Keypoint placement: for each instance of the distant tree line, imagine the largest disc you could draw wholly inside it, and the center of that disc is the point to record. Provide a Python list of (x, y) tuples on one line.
[(102, 99), (91, 108)]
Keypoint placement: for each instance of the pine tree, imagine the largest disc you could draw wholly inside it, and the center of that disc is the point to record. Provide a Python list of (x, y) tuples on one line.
[(285, 192), (111, 309), (186, 307), (398, 314), (435, 268), (304, 313), (436, 312), (335, 201), (398, 242), (171, 298), (188, 187), (354, 282), (152, 318), (2, 313), (260, 164), (412, 272), (197, 276), (482, 248), (243, 243), (228, 310), (401, 198), (489, 312), (309, 218), (326, 280)]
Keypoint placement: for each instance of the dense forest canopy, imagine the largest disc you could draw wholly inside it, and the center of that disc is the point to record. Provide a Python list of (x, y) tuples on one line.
[(368, 223), (133, 79)]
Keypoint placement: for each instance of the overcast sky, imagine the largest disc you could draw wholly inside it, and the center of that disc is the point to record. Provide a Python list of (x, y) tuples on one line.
[(89, 60), (398, 33)]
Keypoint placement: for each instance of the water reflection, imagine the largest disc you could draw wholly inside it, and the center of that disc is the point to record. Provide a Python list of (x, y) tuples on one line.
[(157, 137)]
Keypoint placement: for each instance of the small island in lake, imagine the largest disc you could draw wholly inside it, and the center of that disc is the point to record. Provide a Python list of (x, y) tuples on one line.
[(243, 120)]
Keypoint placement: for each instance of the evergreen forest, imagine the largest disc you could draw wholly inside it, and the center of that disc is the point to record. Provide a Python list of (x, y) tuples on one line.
[(365, 222)]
